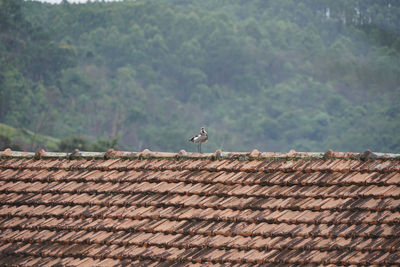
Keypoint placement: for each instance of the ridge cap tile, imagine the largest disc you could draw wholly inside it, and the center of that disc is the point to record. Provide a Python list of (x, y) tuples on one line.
[(229, 155)]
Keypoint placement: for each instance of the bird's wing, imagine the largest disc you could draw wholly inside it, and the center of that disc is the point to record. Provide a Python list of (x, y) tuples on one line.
[(194, 138)]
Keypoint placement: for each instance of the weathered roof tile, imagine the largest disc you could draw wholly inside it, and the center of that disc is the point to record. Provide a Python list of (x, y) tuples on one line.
[(157, 208)]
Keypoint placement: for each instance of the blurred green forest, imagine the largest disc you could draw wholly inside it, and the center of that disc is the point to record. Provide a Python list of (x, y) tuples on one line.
[(309, 75)]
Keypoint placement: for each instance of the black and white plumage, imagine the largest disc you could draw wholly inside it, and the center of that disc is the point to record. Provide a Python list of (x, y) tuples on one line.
[(200, 138)]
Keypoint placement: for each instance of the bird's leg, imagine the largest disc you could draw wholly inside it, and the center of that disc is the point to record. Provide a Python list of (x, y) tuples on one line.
[(200, 147)]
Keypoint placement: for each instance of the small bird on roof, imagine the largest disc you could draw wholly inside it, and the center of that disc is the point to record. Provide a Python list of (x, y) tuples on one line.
[(200, 138)]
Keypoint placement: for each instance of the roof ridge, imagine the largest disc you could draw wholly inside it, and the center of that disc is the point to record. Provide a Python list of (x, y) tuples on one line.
[(146, 153)]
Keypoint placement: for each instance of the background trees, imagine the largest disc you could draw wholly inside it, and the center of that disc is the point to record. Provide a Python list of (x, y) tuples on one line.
[(272, 75)]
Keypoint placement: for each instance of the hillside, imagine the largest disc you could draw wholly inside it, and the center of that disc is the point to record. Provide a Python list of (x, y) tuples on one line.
[(21, 139), (272, 75)]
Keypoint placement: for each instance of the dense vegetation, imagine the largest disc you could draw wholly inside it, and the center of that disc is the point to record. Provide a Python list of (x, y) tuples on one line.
[(273, 75)]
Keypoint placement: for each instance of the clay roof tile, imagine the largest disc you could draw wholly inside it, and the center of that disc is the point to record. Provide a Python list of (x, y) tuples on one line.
[(216, 208)]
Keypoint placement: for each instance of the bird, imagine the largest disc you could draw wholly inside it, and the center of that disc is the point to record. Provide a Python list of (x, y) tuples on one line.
[(200, 138)]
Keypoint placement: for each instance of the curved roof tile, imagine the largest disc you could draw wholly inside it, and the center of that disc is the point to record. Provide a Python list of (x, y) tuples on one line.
[(156, 208)]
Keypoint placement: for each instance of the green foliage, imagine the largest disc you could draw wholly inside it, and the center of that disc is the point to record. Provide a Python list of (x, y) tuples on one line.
[(81, 143), (5, 142), (74, 142), (21, 139), (104, 145), (272, 75)]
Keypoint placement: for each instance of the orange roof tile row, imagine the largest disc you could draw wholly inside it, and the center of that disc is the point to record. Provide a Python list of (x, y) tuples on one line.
[(194, 255), (197, 214), (156, 209), (300, 165), (201, 189), (66, 235), (203, 202), (209, 230), (205, 177)]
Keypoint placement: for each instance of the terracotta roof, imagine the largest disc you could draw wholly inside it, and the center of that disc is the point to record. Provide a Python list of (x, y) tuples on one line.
[(153, 208)]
